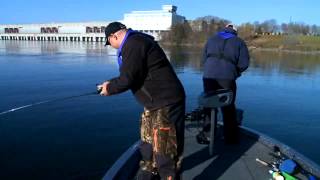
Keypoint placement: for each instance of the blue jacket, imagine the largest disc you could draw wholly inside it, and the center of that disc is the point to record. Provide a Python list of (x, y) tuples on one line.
[(225, 56)]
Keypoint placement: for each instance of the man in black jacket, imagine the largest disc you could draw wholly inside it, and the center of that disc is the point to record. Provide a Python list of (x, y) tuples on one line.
[(225, 57), (146, 71)]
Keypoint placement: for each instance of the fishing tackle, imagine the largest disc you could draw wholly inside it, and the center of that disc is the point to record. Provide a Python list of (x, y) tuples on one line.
[(49, 101)]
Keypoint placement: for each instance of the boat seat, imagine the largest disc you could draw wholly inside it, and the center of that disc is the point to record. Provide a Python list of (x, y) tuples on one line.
[(214, 100)]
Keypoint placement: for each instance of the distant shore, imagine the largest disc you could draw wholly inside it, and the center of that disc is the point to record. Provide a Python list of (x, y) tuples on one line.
[(253, 48), (272, 43), (286, 43)]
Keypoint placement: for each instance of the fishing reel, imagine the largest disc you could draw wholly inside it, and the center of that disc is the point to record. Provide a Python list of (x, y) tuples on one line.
[(99, 88), (195, 115), (201, 118)]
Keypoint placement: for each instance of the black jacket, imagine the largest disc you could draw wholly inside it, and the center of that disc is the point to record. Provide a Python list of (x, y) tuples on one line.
[(147, 72), (235, 56)]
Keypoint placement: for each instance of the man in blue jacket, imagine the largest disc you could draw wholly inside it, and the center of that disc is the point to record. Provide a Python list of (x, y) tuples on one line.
[(146, 71), (225, 57)]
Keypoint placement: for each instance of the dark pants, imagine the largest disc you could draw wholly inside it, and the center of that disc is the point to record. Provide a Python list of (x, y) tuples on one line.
[(162, 135), (231, 129)]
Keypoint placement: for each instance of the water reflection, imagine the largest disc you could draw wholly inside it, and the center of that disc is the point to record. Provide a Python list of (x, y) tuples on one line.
[(267, 63), (73, 134), (51, 47), (291, 64), (185, 57)]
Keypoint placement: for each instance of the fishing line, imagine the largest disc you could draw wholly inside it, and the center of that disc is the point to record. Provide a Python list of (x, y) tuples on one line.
[(48, 101)]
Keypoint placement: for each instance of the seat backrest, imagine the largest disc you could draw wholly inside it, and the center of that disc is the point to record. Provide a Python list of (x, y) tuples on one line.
[(215, 99)]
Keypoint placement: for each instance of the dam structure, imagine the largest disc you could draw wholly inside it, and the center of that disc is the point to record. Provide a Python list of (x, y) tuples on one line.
[(152, 22)]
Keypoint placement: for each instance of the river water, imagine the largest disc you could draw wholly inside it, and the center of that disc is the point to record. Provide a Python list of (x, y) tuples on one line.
[(81, 137)]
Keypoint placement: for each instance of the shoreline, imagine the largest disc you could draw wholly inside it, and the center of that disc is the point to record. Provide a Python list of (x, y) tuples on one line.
[(250, 47), (253, 48)]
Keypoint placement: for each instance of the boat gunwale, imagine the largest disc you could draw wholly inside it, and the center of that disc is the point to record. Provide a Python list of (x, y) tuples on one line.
[(307, 164), (123, 161)]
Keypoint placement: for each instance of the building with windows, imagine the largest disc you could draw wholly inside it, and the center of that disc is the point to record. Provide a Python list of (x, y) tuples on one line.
[(151, 22), (86, 31)]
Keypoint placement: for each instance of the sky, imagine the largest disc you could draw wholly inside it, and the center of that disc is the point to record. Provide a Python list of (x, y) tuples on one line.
[(238, 12)]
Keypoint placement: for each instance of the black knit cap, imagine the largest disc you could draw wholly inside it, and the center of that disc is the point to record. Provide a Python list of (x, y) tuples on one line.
[(112, 28)]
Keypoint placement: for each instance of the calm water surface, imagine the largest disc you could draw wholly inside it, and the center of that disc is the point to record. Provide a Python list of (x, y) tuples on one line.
[(82, 137)]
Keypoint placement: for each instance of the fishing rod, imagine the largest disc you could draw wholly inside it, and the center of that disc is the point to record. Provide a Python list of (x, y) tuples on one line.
[(271, 165), (50, 101)]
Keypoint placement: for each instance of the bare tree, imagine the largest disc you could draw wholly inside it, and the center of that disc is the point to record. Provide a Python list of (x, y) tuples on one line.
[(246, 31), (270, 26)]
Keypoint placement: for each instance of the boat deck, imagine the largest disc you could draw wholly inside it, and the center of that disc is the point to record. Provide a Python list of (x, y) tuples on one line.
[(227, 162)]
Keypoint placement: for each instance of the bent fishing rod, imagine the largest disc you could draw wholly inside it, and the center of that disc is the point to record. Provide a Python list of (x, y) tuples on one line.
[(50, 101)]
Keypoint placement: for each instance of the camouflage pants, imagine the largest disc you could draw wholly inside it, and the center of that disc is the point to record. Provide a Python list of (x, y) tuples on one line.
[(162, 136)]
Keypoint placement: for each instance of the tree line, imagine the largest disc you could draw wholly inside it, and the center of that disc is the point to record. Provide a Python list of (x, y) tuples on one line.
[(197, 31)]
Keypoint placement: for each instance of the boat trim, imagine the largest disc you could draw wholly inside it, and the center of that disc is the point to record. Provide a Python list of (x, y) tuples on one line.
[(306, 164), (128, 162), (130, 159)]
